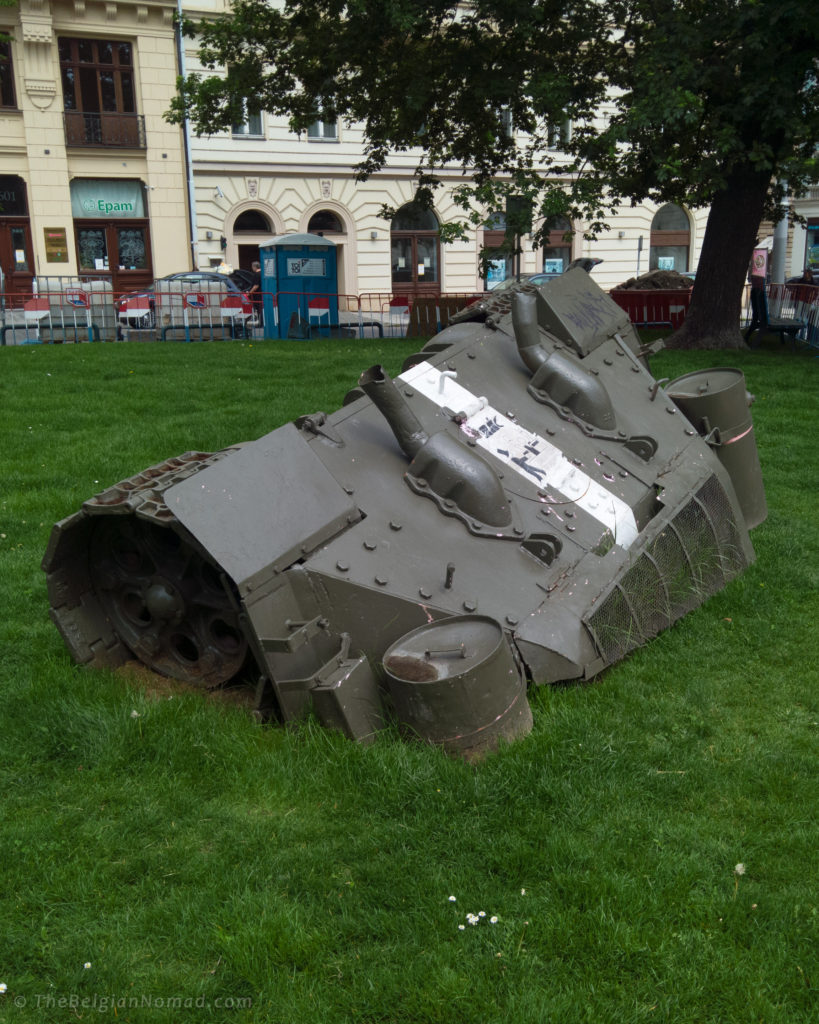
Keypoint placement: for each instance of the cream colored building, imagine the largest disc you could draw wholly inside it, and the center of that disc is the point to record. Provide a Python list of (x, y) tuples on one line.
[(92, 178), (262, 180)]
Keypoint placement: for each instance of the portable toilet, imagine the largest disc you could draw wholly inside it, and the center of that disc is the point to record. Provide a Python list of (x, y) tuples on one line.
[(300, 284)]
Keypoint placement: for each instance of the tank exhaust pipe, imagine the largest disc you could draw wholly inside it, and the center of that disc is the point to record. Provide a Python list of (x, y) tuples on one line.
[(441, 467), (526, 331), (379, 388)]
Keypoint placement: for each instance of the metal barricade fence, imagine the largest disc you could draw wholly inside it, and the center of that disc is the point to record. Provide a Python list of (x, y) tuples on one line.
[(799, 302), (62, 309)]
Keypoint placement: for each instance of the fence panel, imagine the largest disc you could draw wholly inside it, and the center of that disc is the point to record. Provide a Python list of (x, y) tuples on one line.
[(63, 309), (653, 307)]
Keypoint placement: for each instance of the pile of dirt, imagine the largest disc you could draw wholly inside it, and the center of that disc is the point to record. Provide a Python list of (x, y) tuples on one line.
[(668, 280)]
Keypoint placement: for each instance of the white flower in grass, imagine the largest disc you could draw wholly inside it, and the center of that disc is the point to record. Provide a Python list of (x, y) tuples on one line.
[(135, 713), (461, 927), (3, 988), (523, 892), (739, 869), (87, 965), (493, 920), (481, 913), (453, 899)]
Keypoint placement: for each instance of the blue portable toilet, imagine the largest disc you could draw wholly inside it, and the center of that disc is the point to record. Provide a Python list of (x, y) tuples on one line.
[(300, 284)]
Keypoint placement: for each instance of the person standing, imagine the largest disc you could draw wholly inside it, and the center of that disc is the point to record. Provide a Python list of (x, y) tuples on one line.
[(255, 292)]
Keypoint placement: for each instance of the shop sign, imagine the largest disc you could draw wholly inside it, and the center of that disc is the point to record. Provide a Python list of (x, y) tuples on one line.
[(195, 300), (56, 245), (96, 197)]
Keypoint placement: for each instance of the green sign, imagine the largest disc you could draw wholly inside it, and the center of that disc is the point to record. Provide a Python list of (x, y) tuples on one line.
[(100, 197)]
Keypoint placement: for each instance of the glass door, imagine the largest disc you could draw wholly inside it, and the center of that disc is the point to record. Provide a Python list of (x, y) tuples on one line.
[(415, 260), (119, 251)]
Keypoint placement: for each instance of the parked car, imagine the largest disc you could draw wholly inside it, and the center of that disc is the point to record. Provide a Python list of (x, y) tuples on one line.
[(540, 277), (138, 309)]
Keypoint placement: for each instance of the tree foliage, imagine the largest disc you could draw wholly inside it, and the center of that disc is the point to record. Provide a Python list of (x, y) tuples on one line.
[(686, 101)]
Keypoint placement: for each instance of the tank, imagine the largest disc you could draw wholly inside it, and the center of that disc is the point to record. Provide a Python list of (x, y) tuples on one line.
[(523, 505)]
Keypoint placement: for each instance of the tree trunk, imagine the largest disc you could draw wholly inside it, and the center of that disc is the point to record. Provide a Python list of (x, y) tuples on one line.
[(713, 318)]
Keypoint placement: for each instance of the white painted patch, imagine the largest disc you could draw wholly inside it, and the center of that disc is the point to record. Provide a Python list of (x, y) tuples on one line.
[(535, 458)]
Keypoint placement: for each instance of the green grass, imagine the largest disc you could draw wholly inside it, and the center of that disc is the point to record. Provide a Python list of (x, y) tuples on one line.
[(188, 854)]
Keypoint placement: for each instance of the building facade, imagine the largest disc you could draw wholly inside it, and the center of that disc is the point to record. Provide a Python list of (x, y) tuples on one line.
[(92, 178), (260, 180), (95, 182)]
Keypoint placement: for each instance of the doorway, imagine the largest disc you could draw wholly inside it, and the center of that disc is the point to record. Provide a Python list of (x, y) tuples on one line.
[(16, 260), (16, 255), (119, 252), (415, 252)]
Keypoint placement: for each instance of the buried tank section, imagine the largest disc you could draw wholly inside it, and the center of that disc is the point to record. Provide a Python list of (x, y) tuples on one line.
[(524, 504)]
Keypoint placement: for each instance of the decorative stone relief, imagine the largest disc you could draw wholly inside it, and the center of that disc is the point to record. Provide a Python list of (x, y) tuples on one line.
[(41, 91), (36, 30), (36, 33), (252, 187), (326, 187)]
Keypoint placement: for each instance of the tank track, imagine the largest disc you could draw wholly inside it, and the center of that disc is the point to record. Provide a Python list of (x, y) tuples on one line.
[(491, 309), (126, 580)]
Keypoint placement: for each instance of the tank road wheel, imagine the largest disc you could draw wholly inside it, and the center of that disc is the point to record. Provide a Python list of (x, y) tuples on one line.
[(167, 602)]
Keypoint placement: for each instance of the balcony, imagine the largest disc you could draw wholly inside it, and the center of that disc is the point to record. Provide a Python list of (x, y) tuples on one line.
[(108, 130)]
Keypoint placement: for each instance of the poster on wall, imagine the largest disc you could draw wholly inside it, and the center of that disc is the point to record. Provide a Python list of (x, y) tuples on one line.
[(495, 272), (665, 263), (301, 266)]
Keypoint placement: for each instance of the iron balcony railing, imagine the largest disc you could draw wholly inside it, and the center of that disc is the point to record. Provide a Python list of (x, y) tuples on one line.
[(117, 131)]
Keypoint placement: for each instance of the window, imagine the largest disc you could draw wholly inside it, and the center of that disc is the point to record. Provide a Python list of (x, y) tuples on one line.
[(670, 239), (323, 131), (6, 77), (252, 222), (325, 220), (505, 116), (97, 76), (500, 264), (560, 134), (251, 125), (99, 93), (557, 249)]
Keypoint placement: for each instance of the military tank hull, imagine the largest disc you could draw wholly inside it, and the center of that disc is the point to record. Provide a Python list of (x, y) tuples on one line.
[(523, 505)]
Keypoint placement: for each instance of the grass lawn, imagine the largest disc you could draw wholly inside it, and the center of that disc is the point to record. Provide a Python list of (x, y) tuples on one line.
[(649, 851)]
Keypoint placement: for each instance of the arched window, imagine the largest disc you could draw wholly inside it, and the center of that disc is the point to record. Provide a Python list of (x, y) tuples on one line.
[(415, 251), (496, 246), (325, 221), (252, 222), (670, 239), (414, 217), (557, 250)]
